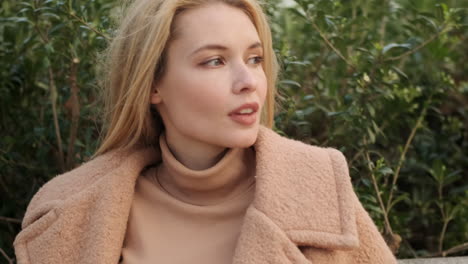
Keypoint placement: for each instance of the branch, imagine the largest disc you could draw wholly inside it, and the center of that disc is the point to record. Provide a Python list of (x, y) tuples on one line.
[(53, 96), (17, 163), (9, 219), (328, 42), (388, 227), (355, 157), (403, 154), (452, 250), (433, 37), (10, 260), (53, 99), (442, 234), (73, 104), (410, 248), (383, 25), (393, 240), (455, 249), (88, 26)]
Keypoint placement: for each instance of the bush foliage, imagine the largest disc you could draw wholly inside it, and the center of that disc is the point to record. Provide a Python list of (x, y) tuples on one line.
[(383, 81)]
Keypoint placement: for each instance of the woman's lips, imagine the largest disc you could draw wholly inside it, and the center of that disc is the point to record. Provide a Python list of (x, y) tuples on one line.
[(246, 119)]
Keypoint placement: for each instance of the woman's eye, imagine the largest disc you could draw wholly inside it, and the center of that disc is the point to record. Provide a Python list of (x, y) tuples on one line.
[(256, 60), (214, 62)]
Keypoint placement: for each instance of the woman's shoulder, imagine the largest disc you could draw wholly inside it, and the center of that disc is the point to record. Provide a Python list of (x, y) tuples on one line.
[(282, 147), (289, 161), (66, 185)]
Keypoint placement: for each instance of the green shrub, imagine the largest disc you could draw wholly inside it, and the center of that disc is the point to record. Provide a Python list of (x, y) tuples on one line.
[(383, 81)]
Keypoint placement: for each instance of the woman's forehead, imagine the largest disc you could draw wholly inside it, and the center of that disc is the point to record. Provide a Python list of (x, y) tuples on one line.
[(215, 23)]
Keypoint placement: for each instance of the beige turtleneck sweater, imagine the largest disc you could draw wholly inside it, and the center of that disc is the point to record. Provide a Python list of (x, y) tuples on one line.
[(177, 215)]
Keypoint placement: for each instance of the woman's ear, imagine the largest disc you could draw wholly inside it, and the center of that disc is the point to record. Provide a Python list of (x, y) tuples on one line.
[(155, 96)]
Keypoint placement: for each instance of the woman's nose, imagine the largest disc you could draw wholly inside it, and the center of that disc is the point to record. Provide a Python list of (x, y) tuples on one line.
[(244, 79)]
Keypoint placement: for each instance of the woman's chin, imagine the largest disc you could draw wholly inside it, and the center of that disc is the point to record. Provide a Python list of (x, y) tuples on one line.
[(244, 139)]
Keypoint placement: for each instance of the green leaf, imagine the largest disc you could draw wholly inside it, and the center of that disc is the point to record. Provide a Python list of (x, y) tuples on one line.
[(290, 82), (371, 110), (330, 114), (391, 46), (49, 48), (46, 62), (400, 72), (298, 12), (385, 171), (429, 21), (371, 135), (452, 177), (52, 15), (19, 20), (42, 85)]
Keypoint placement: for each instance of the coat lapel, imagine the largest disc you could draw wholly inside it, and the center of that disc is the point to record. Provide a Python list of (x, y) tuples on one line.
[(298, 202)]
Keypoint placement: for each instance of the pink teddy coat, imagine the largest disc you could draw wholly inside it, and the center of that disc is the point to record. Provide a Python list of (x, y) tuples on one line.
[(304, 210)]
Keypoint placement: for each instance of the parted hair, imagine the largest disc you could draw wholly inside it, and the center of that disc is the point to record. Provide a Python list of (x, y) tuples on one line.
[(136, 59)]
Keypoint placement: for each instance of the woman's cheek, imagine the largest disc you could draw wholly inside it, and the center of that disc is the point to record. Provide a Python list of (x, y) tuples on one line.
[(263, 87)]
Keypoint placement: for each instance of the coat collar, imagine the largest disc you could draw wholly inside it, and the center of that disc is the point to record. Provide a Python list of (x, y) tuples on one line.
[(300, 200)]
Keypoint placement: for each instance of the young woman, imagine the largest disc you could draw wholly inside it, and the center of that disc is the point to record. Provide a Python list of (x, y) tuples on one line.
[(190, 170)]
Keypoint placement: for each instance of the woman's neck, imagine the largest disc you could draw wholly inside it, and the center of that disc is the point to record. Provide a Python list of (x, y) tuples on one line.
[(222, 177), (194, 155)]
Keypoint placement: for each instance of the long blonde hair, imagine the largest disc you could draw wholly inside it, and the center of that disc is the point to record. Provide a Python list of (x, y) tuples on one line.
[(135, 60)]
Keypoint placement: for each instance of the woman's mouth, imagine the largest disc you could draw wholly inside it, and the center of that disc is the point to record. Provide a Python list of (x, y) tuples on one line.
[(245, 114)]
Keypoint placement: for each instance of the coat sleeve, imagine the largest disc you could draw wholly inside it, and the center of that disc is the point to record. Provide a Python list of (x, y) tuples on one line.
[(372, 248)]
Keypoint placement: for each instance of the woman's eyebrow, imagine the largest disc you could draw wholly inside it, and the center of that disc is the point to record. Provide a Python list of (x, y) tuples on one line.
[(209, 47), (221, 47), (255, 45)]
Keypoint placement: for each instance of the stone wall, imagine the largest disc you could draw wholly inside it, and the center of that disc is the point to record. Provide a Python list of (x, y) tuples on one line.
[(455, 260)]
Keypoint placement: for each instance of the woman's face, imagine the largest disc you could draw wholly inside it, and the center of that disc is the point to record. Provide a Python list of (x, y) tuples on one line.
[(214, 66)]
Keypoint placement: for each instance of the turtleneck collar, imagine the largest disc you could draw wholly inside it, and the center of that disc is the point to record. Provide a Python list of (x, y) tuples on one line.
[(231, 175)]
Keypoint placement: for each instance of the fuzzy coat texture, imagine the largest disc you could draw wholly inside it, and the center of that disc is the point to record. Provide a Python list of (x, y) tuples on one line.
[(304, 210)]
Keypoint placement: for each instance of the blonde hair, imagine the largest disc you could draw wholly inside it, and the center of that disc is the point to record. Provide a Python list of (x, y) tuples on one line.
[(135, 60)]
